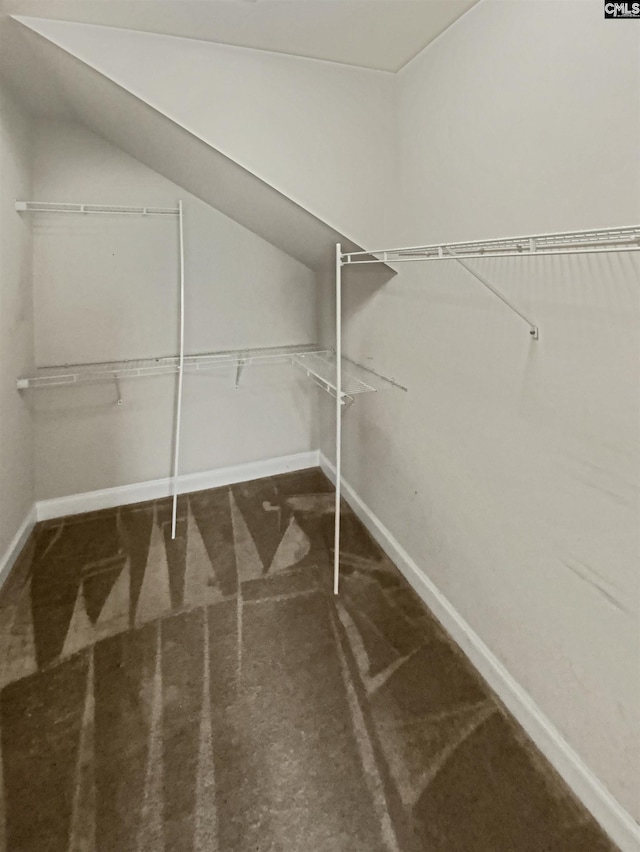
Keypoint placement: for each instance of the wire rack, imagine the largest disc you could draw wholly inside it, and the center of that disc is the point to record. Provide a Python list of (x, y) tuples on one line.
[(625, 238), (106, 371), (64, 207), (321, 367), (317, 363)]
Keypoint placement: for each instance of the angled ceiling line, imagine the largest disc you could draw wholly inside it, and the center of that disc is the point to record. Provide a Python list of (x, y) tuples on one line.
[(23, 21)]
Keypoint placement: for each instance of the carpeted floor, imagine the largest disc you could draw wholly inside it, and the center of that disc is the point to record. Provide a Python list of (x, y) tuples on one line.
[(210, 694)]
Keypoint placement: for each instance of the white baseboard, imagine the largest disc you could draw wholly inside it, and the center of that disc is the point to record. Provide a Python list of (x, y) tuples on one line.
[(123, 495), (8, 559), (609, 813)]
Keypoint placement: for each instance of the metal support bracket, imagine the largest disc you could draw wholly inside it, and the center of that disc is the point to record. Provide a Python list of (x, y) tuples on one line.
[(118, 393), (239, 369), (346, 401), (533, 328)]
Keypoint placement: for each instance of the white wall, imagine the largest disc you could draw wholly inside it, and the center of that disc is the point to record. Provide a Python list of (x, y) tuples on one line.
[(107, 288), (16, 322), (509, 472), (321, 133)]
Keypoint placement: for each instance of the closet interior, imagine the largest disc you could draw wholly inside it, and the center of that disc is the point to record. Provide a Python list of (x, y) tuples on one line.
[(307, 544)]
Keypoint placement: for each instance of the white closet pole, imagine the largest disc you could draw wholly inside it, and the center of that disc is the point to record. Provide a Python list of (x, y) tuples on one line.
[(336, 538), (176, 452)]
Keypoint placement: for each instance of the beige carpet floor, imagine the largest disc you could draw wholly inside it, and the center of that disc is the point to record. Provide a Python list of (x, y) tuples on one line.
[(210, 694)]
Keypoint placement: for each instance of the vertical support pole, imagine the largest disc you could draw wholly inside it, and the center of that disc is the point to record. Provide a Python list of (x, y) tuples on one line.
[(176, 451), (336, 537)]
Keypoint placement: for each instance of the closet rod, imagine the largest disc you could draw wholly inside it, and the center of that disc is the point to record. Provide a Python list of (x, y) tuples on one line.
[(112, 209)]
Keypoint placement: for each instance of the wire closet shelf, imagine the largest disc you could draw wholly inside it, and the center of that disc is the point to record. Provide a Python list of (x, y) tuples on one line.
[(317, 363), (601, 240), (113, 209)]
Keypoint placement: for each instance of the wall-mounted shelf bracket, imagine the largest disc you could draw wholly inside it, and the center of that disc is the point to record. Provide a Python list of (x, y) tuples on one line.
[(118, 393), (347, 401), (533, 328), (239, 368)]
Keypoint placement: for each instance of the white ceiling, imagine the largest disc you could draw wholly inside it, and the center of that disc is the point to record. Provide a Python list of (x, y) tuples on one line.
[(378, 34)]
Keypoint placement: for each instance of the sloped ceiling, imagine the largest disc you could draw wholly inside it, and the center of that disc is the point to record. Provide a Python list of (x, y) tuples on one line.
[(74, 65), (153, 139), (379, 34), (298, 151)]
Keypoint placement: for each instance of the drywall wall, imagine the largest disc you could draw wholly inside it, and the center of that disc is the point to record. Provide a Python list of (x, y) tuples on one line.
[(509, 472), (320, 133), (16, 323), (106, 288)]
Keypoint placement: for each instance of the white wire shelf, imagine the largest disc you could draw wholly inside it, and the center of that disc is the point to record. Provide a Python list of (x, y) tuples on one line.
[(64, 207), (318, 364), (321, 367), (626, 238), (108, 371)]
